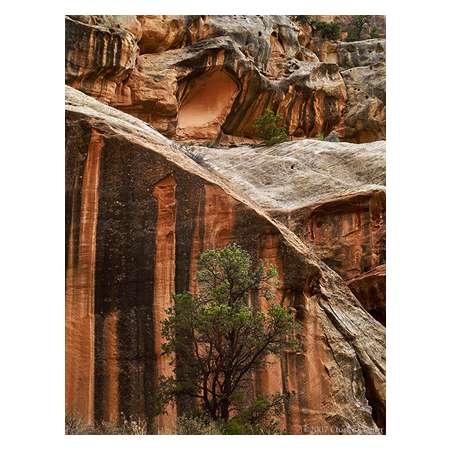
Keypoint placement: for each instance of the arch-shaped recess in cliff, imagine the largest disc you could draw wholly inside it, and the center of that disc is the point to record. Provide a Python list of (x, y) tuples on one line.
[(205, 105)]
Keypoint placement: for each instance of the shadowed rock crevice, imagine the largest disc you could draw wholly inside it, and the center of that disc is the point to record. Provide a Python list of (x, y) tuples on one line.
[(377, 405)]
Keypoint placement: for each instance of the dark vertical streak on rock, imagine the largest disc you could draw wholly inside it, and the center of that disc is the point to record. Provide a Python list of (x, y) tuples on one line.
[(124, 278), (187, 200), (285, 390), (100, 364), (312, 115), (201, 219), (118, 52), (77, 137)]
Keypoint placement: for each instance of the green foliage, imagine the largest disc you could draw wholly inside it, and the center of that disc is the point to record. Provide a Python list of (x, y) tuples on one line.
[(328, 30), (374, 33), (269, 127), (218, 337), (258, 417), (355, 27), (251, 417), (126, 425), (197, 422)]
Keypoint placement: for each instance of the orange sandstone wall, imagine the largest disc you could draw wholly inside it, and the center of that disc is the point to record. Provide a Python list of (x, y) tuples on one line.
[(349, 235), (137, 220)]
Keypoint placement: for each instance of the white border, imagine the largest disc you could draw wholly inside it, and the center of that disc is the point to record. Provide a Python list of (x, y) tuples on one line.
[(32, 290)]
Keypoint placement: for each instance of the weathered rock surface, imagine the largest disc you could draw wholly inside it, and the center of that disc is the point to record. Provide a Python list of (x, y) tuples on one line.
[(160, 33), (349, 54), (170, 89), (98, 57), (361, 53), (128, 23), (330, 194), (365, 111), (243, 64), (138, 214)]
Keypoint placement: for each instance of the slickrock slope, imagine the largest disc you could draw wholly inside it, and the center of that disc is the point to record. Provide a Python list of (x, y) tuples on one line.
[(330, 194), (138, 213)]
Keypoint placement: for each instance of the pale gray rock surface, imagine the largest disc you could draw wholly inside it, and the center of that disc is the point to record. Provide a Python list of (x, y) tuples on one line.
[(295, 174)]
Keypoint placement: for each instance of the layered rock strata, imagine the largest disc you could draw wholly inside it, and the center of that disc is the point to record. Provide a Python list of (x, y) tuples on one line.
[(139, 212)]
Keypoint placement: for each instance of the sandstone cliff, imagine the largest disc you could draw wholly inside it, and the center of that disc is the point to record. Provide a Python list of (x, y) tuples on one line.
[(142, 202), (330, 194), (139, 212), (207, 78)]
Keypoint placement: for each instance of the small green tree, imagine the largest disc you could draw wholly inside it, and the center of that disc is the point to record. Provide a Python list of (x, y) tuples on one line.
[(257, 417), (374, 33), (218, 337), (328, 30), (355, 28), (269, 127)]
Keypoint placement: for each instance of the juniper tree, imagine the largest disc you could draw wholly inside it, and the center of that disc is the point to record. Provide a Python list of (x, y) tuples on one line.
[(269, 127), (218, 336)]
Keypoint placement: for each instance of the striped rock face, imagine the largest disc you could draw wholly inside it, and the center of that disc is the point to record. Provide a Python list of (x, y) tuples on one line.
[(98, 58), (139, 212)]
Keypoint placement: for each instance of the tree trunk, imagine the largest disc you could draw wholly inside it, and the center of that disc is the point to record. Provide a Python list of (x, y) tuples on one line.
[(225, 410)]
